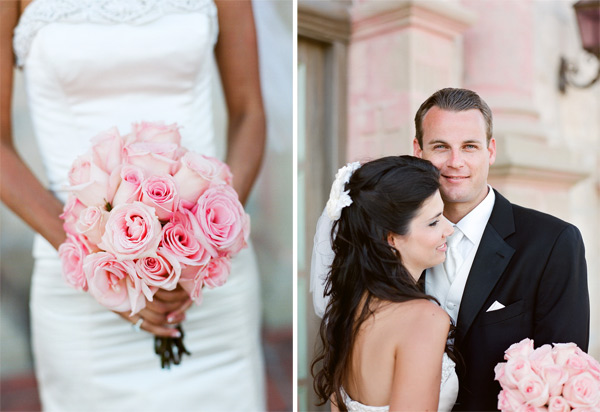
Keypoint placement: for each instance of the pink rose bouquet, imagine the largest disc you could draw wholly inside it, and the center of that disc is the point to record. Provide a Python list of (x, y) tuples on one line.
[(145, 214), (557, 378)]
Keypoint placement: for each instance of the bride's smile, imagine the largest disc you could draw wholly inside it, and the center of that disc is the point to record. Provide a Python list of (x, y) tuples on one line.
[(424, 245)]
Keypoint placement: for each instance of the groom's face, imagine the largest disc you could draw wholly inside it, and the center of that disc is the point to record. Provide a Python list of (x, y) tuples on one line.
[(455, 142)]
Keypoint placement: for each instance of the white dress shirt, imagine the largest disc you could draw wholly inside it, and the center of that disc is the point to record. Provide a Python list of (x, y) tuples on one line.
[(437, 282)]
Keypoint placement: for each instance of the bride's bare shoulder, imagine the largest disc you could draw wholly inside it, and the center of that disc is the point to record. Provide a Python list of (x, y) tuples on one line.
[(413, 310), (418, 317)]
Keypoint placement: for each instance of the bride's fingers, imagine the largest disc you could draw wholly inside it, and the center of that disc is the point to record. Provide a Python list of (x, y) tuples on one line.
[(153, 317), (171, 303), (151, 322), (160, 314), (160, 306), (157, 330), (177, 295), (166, 308), (179, 314)]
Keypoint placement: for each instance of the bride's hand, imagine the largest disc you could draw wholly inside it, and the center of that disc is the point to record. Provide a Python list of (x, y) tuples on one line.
[(174, 303), (159, 316)]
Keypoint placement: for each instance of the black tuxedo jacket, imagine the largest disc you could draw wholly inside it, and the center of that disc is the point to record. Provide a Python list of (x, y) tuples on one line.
[(534, 264)]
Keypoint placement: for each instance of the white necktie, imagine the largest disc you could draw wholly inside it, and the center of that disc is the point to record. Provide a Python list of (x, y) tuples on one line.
[(453, 257)]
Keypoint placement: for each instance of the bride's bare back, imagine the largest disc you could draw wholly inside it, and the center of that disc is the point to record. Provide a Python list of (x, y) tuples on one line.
[(397, 356)]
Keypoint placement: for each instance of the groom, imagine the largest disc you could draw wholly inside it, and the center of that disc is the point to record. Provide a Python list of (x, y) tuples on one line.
[(510, 273)]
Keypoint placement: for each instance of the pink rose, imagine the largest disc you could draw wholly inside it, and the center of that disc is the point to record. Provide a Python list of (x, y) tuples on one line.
[(137, 290), (500, 376), (555, 376), (183, 217), (160, 271), (155, 132), (81, 169), (70, 214), (91, 223), (558, 404), (180, 242), (531, 408), (593, 365), (224, 225), (132, 231), (130, 187), (192, 283), (89, 183), (534, 390), (160, 192), (541, 357), (110, 281), (563, 351), (515, 370), (154, 158), (582, 391), (523, 348), (198, 173), (72, 254), (575, 364), (106, 150), (217, 272), (510, 399)]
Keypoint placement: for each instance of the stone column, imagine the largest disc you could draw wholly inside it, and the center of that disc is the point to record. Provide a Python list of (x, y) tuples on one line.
[(500, 65), (400, 53)]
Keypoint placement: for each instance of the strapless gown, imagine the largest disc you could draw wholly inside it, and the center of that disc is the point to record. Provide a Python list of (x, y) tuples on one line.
[(90, 65), (448, 392)]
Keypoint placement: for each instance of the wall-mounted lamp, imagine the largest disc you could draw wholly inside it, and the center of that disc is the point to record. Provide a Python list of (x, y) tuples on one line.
[(588, 20)]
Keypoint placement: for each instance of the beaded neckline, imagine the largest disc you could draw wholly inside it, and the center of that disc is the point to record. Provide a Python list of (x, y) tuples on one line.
[(42, 12)]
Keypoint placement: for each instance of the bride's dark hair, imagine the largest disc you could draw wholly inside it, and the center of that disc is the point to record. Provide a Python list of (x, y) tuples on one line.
[(386, 195)]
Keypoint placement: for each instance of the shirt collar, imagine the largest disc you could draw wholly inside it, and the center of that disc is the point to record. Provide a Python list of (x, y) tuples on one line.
[(473, 224)]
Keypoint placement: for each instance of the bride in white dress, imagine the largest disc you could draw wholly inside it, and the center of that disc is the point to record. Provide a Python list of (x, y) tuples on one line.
[(384, 341), (90, 65)]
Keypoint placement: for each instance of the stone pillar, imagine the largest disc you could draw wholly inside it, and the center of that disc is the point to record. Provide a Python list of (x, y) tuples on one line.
[(400, 53), (500, 65)]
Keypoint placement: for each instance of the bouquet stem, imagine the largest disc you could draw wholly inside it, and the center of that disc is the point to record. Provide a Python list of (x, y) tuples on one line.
[(170, 350)]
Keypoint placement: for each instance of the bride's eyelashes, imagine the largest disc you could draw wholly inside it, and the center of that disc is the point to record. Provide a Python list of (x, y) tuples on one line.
[(434, 223)]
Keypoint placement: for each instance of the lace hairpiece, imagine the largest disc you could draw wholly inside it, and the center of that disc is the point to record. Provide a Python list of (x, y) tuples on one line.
[(338, 197)]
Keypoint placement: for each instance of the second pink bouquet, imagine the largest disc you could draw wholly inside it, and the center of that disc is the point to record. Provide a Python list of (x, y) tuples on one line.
[(145, 214), (557, 378)]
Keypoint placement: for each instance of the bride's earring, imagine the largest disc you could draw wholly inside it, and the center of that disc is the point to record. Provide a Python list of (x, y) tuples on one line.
[(392, 242)]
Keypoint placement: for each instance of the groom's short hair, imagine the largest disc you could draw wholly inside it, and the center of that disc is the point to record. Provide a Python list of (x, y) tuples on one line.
[(455, 100)]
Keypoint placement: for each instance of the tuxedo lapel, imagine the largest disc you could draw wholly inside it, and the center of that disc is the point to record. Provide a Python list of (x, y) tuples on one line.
[(492, 257)]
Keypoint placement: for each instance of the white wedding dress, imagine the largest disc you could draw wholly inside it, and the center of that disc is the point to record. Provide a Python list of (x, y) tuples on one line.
[(90, 65), (448, 392)]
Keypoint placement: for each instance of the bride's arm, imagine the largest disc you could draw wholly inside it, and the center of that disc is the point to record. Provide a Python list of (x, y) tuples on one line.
[(418, 363), (237, 58), (20, 190)]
